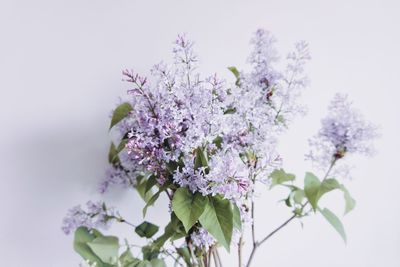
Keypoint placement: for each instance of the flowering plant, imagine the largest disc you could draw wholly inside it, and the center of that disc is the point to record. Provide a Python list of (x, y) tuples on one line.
[(207, 143)]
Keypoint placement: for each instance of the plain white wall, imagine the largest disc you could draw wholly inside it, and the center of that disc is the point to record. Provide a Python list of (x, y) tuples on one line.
[(60, 75)]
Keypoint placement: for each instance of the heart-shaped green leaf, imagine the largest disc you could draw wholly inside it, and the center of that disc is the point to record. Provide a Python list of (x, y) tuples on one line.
[(188, 207), (217, 219)]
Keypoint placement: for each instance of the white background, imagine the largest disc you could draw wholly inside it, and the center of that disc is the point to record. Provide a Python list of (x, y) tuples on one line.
[(60, 75)]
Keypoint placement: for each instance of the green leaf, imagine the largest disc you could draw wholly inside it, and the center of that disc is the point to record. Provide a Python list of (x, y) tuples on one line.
[(150, 252), (106, 248), (298, 196), (120, 113), (288, 201), (218, 141), (122, 144), (311, 189), (127, 259), (280, 176), (237, 221), (217, 219), (150, 202), (173, 227), (81, 238), (141, 187), (144, 263), (172, 166), (188, 206), (153, 199), (235, 72), (113, 154), (146, 229), (328, 185), (335, 222), (185, 254), (201, 158), (230, 111), (114, 151), (350, 202), (314, 189), (157, 263), (152, 181)]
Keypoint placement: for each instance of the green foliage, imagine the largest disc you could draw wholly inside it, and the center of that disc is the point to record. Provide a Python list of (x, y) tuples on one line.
[(314, 190), (113, 157), (150, 252), (173, 230), (153, 199), (82, 237), (142, 186), (184, 253), (298, 196), (328, 185), (127, 259), (201, 158), (144, 263), (235, 72), (311, 189), (146, 229), (106, 248), (157, 263), (334, 221), (94, 247), (120, 113), (230, 111), (152, 181), (113, 154), (237, 221), (218, 141), (350, 202), (217, 219), (188, 206), (280, 176)]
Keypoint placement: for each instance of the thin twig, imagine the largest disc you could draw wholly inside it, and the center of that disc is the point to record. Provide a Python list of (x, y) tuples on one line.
[(253, 231), (240, 246), (173, 257), (257, 244), (219, 258), (215, 258), (209, 257), (122, 220)]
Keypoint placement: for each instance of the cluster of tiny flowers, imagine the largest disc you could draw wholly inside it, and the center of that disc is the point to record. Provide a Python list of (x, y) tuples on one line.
[(202, 239), (96, 215), (344, 131), (177, 111), (117, 176)]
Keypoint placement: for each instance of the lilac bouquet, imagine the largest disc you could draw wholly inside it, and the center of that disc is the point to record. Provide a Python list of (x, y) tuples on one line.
[(207, 143)]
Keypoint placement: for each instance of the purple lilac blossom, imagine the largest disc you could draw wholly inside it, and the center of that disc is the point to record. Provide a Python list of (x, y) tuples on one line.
[(95, 216), (177, 110), (344, 131), (202, 239), (116, 176)]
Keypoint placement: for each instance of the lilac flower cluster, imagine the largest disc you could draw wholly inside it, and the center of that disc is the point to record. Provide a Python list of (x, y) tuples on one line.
[(96, 215), (202, 239), (117, 176), (206, 143), (178, 111), (344, 131)]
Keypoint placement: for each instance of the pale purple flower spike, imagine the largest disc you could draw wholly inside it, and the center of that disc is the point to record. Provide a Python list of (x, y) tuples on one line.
[(95, 216), (344, 131)]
